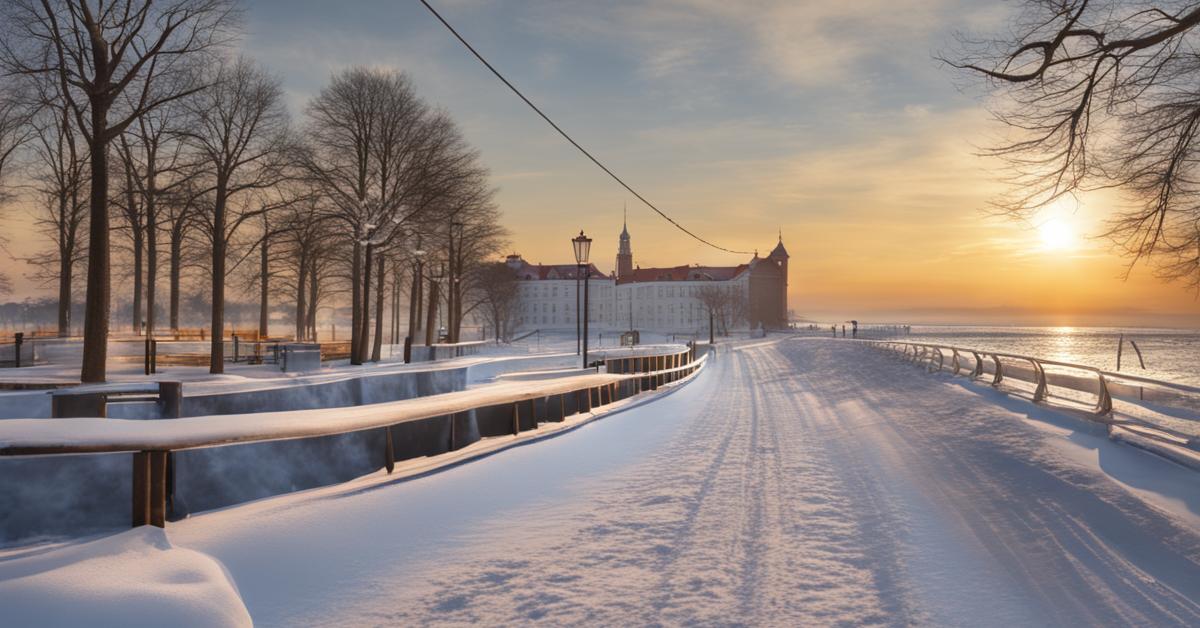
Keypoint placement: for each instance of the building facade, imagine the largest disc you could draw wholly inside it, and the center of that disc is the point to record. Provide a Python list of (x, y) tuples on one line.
[(651, 299)]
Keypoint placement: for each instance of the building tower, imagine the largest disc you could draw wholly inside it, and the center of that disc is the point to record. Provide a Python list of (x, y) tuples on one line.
[(779, 255), (624, 254)]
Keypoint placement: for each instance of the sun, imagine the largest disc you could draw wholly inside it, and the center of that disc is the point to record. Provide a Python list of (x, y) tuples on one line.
[(1056, 235)]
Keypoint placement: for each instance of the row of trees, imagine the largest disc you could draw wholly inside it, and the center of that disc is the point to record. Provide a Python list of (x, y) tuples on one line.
[(136, 119)]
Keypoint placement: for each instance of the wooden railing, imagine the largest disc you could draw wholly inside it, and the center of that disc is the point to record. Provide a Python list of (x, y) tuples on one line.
[(153, 441)]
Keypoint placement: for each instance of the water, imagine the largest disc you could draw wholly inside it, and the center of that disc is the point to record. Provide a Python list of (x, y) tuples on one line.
[(1170, 354)]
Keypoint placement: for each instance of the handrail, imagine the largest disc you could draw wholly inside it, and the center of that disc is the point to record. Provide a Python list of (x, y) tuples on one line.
[(1104, 399), (152, 442), (24, 437)]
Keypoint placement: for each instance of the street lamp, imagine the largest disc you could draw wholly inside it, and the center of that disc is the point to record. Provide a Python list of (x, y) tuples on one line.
[(583, 246)]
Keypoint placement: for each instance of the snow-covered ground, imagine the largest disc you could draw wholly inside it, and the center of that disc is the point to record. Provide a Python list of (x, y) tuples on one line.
[(794, 482)]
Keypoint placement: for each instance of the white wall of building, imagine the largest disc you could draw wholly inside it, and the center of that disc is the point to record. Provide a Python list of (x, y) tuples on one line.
[(665, 306)]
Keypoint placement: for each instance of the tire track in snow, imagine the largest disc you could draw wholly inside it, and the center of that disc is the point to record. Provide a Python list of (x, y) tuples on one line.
[(1037, 516)]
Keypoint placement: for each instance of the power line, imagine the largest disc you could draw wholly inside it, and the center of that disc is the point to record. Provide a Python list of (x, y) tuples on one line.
[(568, 137)]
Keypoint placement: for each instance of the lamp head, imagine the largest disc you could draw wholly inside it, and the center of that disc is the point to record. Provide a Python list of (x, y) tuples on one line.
[(583, 246)]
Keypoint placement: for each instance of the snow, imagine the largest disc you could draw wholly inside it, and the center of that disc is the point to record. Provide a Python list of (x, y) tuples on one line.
[(793, 482), (136, 578)]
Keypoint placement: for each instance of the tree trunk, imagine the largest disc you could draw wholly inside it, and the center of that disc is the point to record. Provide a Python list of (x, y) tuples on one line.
[(175, 272), (96, 309), (137, 281), (301, 304), (66, 254), (216, 361), (263, 314), (312, 301), (65, 264), (364, 333), (431, 314), (414, 302), (151, 242), (377, 346), (355, 302)]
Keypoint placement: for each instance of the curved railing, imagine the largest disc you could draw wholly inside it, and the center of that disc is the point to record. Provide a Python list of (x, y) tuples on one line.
[(1104, 385), (152, 442)]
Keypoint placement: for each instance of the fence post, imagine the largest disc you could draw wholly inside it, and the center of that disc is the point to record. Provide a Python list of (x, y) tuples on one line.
[(999, 377), (956, 365), (978, 372), (516, 419), (389, 453), (141, 488), (18, 339), (1104, 404), (1040, 373)]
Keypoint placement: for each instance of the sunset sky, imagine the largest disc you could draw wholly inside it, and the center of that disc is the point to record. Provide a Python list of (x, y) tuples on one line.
[(830, 121)]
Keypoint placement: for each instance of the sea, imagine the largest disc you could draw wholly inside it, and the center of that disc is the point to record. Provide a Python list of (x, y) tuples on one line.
[(1169, 354)]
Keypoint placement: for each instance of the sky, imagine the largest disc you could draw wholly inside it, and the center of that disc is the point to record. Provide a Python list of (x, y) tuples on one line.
[(831, 123)]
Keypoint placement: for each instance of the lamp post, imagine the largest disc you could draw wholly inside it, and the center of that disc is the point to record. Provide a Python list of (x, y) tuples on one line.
[(583, 246)]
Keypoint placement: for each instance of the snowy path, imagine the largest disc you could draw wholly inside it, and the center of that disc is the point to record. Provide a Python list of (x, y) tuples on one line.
[(802, 482)]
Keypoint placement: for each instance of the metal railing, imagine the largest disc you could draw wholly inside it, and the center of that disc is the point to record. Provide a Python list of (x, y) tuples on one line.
[(1104, 385), (152, 446)]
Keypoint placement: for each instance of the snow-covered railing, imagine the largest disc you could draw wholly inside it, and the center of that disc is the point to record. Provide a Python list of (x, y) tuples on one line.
[(643, 362), (152, 442), (1104, 385)]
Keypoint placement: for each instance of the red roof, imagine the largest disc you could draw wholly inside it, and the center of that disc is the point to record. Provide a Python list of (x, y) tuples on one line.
[(526, 271), (684, 273)]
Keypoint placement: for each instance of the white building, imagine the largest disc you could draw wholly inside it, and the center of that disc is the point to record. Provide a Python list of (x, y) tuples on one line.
[(648, 299)]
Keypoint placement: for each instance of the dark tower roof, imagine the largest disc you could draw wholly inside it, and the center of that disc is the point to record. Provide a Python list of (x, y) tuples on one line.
[(779, 251)]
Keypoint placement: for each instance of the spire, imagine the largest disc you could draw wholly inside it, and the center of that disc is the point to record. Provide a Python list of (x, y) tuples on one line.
[(779, 251), (625, 221)]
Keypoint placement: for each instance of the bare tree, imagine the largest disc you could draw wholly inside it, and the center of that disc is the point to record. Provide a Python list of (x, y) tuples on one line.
[(14, 131), (1104, 94), (241, 131), (179, 218), (158, 169), (727, 304), (96, 52), (60, 168), (372, 149), (498, 294)]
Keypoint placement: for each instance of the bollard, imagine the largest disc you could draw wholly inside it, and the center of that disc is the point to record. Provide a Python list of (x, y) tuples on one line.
[(235, 348)]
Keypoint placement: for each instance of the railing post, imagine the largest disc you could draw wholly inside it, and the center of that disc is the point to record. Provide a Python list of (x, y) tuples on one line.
[(978, 372), (1104, 404), (956, 365), (158, 489), (999, 377), (516, 419), (155, 496), (389, 453), (1040, 373), (141, 488)]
